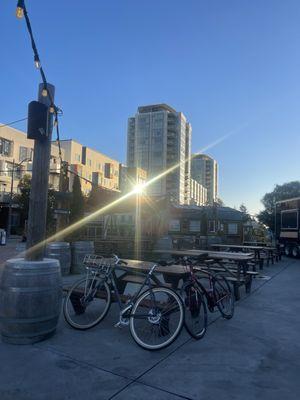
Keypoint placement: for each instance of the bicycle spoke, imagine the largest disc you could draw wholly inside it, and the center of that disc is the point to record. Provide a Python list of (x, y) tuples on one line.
[(84, 311), (162, 323)]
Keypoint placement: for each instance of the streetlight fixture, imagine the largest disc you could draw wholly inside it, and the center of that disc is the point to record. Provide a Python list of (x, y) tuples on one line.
[(11, 193), (20, 9)]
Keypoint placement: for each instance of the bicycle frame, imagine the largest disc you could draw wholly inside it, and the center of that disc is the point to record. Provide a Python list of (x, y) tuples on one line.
[(207, 293), (111, 278)]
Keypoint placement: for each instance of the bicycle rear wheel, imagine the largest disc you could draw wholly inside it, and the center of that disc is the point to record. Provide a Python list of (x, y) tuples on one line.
[(223, 296), (195, 318), (87, 303), (157, 318)]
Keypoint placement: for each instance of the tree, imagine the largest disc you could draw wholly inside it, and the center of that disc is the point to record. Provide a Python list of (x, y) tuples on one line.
[(244, 211), (22, 199), (280, 192), (94, 199), (219, 202), (77, 201)]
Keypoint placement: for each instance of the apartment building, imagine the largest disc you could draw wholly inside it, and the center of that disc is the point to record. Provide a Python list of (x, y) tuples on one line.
[(204, 170), (16, 153), (92, 166), (159, 138), (198, 194)]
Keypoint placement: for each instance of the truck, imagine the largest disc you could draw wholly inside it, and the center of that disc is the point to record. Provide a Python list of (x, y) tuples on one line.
[(287, 224)]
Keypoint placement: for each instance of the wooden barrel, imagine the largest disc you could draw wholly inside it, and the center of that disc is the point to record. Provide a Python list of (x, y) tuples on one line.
[(79, 250), (60, 251), (30, 300)]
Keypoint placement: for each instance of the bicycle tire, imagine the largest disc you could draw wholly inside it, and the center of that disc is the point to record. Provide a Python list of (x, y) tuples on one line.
[(221, 291), (162, 325), (81, 309), (195, 313)]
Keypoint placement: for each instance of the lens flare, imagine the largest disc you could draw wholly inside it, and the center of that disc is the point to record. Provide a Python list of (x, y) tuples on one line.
[(139, 189)]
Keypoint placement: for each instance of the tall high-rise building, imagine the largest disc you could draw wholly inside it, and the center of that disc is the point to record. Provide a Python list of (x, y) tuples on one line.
[(204, 170), (158, 138)]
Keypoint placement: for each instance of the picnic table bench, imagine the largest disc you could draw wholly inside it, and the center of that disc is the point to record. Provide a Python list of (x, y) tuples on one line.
[(238, 273), (135, 271)]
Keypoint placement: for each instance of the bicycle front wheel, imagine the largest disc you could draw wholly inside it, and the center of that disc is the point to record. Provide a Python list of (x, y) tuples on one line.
[(87, 303), (157, 318), (195, 318), (223, 296)]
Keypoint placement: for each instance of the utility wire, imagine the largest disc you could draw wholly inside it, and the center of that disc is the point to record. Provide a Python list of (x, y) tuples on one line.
[(13, 122), (91, 182), (17, 170), (56, 110)]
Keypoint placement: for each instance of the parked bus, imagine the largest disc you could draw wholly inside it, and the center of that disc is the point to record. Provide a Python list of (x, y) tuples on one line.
[(287, 226)]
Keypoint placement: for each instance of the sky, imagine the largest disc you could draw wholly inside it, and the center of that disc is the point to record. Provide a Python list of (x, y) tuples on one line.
[(232, 67)]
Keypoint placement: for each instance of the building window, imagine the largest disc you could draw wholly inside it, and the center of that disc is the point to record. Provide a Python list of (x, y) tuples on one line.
[(25, 153), (5, 147), (194, 226), (232, 229), (108, 170), (289, 219), (77, 157), (211, 226), (174, 225), (89, 162)]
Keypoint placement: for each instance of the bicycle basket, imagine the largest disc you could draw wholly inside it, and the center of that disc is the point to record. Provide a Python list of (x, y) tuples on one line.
[(98, 264)]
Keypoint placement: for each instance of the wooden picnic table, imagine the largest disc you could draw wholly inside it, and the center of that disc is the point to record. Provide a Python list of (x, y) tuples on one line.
[(274, 248), (238, 277), (257, 250), (136, 270)]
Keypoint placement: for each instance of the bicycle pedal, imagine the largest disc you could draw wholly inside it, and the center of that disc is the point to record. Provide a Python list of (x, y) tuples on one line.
[(122, 322)]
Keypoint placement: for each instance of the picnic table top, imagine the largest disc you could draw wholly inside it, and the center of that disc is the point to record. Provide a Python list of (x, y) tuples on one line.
[(145, 266), (217, 255), (238, 246)]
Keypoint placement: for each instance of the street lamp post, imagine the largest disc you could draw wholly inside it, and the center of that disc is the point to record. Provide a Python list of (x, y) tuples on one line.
[(11, 193)]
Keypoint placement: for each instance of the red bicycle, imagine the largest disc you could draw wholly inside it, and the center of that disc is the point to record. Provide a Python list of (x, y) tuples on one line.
[(216, 291)]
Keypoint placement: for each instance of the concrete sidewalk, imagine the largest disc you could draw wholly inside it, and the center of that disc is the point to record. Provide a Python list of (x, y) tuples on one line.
[(255, 355)]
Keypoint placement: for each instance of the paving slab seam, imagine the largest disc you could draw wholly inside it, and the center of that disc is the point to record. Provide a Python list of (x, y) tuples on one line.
[(152, 387), (83, 363)]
